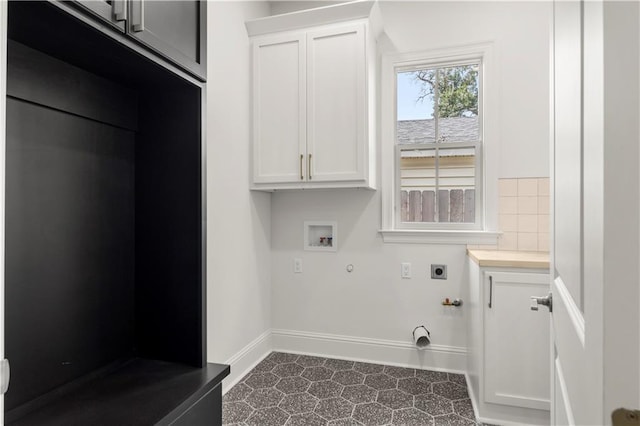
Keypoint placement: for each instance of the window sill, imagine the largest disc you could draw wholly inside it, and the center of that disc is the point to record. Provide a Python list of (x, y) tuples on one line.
[(405, 236)]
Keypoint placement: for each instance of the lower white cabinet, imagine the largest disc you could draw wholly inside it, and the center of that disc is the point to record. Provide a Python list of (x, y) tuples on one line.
[(509, 355)]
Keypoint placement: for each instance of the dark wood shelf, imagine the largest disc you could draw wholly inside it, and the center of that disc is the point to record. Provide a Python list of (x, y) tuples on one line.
[(140, 392)]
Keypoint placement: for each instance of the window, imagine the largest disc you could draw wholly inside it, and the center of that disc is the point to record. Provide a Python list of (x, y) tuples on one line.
[(433, 153), (438, 143)]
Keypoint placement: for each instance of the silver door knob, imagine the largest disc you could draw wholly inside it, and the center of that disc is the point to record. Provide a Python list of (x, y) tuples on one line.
[(545, 301)]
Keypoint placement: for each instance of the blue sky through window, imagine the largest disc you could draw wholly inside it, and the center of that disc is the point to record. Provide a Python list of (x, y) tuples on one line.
[(408, 92)]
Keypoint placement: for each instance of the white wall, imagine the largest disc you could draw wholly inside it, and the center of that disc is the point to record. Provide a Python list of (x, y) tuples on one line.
[(238, 221), (288, 6), (373, 302)]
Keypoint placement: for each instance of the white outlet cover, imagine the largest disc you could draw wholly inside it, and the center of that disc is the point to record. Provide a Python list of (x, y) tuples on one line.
[(406, 270)]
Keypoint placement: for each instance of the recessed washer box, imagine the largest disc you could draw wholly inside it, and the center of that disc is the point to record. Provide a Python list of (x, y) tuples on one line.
[(321, 235)]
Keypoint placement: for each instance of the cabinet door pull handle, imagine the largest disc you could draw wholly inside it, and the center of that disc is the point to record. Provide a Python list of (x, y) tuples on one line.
[(301, 174), (119, 10), (137, 15), (490, 291), (309, 170)]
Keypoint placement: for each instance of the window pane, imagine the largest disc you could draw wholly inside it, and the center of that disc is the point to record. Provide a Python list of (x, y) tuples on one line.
[(415, 103), (458, 104), (457, 185), (442, 193)]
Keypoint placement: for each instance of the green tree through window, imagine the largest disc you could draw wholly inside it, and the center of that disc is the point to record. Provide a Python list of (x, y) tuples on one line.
[(457, 90)]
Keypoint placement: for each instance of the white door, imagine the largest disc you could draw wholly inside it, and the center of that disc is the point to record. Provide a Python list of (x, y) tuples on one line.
[(595, 321), (279, 109), (336, 99)]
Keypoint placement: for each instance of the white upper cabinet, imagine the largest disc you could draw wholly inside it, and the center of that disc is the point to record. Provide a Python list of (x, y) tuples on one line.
[(336, 103), (279, 109), (312, 103)]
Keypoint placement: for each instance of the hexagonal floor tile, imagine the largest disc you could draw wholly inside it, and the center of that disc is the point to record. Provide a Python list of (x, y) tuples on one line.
[(359, 394), (381, 381), (458, 379), (367, 368), (272, 416), (310, 361), (295, 384), (316, 374), (338, 364), (334, 408), (288, 370), (411, 417), (450, 390), (261, 380), (463, 408), (344, 422), (399, 372), (432, 376), (452, 420), (433, 404), (298, 403), (263, 398), (372, 414), (282, 357), (348, 377), (235, 412), (395, 399), (414, 386), (264, 366), (237, 393), (325, 389), (306, 419)]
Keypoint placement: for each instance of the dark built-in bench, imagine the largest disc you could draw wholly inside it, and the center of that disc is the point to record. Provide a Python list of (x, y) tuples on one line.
[(136, 392)]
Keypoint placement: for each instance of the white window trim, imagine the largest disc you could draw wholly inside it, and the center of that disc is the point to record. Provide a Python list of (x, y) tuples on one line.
[(484, 232)]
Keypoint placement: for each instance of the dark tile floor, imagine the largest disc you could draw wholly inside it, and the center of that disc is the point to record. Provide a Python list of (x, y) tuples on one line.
[(288, 389)]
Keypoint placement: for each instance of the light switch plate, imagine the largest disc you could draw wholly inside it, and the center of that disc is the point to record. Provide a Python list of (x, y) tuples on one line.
[(406, 270)]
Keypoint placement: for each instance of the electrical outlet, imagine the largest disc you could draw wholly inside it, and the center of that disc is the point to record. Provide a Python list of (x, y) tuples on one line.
[(406, 270), (297, 265), (439, 272)]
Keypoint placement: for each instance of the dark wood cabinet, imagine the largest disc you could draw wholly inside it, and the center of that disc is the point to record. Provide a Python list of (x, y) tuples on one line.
[(113, 12), (105, 277), (172, 29)]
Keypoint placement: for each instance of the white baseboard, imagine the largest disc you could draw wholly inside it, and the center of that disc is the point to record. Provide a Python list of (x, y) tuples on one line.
[(247, 358), (434, 357), (519, 413)]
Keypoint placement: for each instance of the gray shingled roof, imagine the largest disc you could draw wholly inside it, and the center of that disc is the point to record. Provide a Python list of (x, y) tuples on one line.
[(453, 129)]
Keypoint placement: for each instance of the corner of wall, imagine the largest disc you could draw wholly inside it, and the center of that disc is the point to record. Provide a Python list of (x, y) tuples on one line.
[(238, 220)]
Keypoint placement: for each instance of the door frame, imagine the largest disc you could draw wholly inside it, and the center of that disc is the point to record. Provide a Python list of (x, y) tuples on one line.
[(3, 133)]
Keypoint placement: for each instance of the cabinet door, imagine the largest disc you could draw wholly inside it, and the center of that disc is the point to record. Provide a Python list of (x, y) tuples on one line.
[(279, 146), (174, 29), (112, 11), (336, 99), (516, 340)]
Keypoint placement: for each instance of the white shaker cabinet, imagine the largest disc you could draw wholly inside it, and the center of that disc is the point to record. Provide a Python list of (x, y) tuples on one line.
[(336, 104), (279, 109), (312, 102), (508, 362)]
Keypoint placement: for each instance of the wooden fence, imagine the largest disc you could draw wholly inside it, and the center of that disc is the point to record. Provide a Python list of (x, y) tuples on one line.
[(455, 205)]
